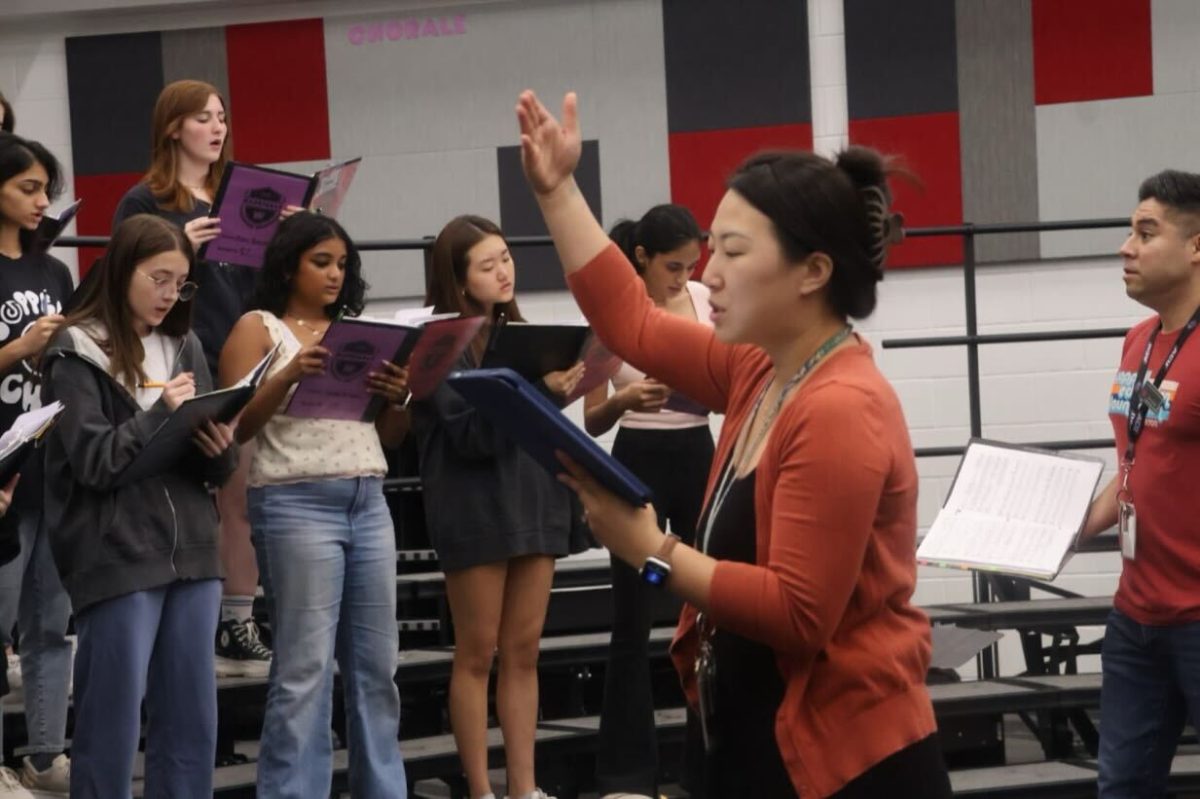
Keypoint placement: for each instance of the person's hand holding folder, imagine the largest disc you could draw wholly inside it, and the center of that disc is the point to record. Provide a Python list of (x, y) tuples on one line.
[(6, 494), (562, 383), (628, 531), (311, 360), (214, 438)]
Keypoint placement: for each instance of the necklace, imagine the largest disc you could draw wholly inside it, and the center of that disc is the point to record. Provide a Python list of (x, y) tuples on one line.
[(727, 474), (307, 326)]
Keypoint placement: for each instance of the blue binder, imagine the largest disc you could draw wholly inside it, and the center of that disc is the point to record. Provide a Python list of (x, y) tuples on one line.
[(515, 407)]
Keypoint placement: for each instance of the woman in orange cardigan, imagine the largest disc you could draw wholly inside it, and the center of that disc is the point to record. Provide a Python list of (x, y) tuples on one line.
[(798, 643)]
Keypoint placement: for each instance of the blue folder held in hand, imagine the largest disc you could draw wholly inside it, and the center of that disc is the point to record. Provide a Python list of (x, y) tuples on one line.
[(515, 407)]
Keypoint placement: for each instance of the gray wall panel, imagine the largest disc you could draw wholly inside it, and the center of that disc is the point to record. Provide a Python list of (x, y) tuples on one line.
[(1093, 155), (198, 54), (997, 125)]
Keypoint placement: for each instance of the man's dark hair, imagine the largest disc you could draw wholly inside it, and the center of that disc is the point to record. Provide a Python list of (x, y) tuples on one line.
[(1178, 191)]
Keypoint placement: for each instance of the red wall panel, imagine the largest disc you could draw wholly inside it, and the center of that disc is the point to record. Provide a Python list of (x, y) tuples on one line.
[(701, 162), (100, 194), (279, 102), (928, 146), (1091, 50)]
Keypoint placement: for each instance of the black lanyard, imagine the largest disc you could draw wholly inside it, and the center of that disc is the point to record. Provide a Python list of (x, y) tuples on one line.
[(1138, 407)]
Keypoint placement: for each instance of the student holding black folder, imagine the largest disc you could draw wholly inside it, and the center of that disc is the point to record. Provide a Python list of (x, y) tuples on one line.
[(139, 559), (799, 645), (33, 287), (321, 526), (496, 519)]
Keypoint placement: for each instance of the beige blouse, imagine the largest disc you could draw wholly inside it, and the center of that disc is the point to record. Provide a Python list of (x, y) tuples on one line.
[(293, 450)]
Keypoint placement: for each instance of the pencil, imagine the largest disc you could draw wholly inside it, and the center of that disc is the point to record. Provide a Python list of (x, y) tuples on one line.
[(152, 384)]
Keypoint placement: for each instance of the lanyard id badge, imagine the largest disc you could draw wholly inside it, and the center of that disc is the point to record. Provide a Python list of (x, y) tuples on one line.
[(1126, 516)]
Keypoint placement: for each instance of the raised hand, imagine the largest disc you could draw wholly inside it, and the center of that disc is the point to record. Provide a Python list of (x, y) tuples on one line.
[(549, 150)]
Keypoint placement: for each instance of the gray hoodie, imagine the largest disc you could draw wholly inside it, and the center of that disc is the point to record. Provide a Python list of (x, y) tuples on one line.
[(110, 537)]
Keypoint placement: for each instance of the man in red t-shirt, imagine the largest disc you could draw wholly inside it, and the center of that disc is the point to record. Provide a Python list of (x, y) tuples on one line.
[(1151, 654)]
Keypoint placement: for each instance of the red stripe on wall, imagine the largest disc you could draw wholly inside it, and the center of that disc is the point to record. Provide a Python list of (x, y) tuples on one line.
[(1091, 50), (279, 104), (928, 146), (100, 194), (702, 161)]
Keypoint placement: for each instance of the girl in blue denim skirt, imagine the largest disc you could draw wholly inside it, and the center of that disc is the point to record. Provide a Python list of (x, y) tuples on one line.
[(321, 527)]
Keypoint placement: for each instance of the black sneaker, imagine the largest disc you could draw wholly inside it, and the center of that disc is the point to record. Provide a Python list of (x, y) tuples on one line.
[(239, 652)]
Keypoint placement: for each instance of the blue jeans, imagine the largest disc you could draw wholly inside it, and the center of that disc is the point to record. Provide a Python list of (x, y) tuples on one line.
[(330, 550), (32, 595), (1151, 684), (155, 644)]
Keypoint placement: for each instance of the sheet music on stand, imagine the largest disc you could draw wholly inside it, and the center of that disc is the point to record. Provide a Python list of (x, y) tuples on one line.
[(1012, 509)]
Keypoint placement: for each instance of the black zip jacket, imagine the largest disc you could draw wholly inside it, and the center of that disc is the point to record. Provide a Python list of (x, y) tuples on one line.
[(110, 538)]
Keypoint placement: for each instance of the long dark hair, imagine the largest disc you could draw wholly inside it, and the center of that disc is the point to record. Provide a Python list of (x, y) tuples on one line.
[(105, 294), (16, 156), (840, 208), (297, 234), (448, 283), (661, 229)]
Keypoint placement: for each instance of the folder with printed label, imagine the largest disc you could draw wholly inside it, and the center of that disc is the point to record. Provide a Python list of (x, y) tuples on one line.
[(358, 346)]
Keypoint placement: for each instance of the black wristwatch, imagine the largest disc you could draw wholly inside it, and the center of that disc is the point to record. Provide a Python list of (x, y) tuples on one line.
[(657, 567)]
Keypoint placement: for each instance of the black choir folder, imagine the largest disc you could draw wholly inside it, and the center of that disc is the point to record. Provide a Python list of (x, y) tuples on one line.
[(173, 438), (532, 421), (1012, 509), (533, 351)]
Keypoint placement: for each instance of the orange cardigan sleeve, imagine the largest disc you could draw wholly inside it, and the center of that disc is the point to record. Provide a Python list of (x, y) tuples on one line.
[(831, 464), (683, 353)]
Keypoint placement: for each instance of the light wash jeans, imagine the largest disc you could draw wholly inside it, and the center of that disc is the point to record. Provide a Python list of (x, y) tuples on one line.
[(154, 645), (32, 595), (330, 550)]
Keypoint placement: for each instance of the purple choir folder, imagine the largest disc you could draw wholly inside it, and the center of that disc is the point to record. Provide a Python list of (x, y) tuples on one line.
[(250, 198), (359, 346), (248, 203)]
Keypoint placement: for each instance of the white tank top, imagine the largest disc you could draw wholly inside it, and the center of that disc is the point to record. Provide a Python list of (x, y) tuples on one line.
[(293, 450), (664, 419)]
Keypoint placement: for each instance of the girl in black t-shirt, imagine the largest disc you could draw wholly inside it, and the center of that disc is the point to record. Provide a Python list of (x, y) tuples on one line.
[(33, 287), (190, 134)]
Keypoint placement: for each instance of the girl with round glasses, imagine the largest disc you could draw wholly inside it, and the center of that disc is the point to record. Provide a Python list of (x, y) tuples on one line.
[(139, 558)]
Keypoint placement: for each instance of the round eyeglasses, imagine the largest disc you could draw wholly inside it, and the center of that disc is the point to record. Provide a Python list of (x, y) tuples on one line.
[(183, 291)]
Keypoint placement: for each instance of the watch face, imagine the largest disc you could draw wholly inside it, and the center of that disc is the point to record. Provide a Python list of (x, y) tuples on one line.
[(655, 572)]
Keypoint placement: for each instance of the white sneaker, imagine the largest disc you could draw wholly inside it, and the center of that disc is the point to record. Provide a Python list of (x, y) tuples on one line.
[(626, 796), (536, 793), (10, 786), (54, 781)]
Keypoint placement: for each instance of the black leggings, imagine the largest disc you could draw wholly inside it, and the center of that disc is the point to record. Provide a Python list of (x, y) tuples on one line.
[(674, 464)]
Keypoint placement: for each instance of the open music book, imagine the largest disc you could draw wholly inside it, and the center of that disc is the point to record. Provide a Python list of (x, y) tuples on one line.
[(19, 440), (1012, 509)]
